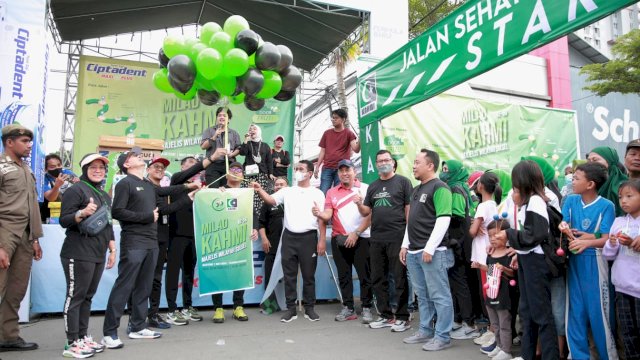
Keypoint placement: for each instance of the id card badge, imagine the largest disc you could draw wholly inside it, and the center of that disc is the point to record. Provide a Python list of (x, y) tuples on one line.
[(165, 219)]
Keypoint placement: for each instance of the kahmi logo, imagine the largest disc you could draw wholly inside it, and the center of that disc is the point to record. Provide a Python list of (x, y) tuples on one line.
[(368, 95)]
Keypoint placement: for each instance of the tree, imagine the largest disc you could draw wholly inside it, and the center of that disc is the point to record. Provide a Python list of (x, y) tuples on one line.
[(425, 13), (341, 56), (621, 74)]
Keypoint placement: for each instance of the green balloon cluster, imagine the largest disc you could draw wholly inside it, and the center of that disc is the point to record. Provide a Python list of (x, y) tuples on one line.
[(227, 61)]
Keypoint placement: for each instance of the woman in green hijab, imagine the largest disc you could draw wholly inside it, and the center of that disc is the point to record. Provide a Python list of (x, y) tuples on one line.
[(609, 158), (549, 174)]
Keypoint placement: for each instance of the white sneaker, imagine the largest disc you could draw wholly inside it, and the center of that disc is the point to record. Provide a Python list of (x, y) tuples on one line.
[(144, 334), (112, 342), (400, 326), (93, 345), (465, 332), (502, 356), (487, 338), (495, 352)]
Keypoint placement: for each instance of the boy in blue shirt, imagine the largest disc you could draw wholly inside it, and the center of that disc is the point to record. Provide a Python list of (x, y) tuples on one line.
[(587, 220)]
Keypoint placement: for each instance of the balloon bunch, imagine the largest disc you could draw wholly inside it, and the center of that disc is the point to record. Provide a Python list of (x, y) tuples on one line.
[(230, 61)]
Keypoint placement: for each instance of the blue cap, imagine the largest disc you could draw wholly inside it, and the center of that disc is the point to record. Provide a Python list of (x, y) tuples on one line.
[(345, 162)]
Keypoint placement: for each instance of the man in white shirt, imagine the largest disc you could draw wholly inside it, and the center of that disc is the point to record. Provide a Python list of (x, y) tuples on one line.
[(300, 244)]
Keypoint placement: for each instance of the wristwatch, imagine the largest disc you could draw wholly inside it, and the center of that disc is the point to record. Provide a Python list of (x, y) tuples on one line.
[(79, 214), (358, 232)]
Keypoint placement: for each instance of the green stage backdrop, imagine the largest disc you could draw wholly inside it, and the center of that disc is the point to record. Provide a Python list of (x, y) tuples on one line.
[(118, 98), (482, 134), (223, 223)]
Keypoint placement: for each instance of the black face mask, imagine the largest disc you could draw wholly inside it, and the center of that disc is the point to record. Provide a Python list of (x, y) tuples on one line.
[(55, 172)]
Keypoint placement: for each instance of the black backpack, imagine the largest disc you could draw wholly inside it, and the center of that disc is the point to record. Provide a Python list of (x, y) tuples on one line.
[(557, 262)]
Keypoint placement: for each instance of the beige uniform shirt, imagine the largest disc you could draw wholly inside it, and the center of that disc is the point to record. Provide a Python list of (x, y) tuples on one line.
[(18, 201)]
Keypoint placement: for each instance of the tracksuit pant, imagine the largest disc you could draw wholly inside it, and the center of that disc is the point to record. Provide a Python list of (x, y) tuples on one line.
[(82, 278), (156, 287), (460, 293), (181, 255), (299, 249), (346, 258), (384, 259), (238, 299)]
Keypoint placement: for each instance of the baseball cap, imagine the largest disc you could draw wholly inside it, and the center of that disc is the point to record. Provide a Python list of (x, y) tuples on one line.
[(235, 164), (16, 130), (345, 162), (473, 179), (125, 156), (633, 144), (278, 137), (160, 160), (89, 158)]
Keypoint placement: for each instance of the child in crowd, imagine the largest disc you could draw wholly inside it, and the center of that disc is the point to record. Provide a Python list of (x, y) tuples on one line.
[(587, 221), (531, 229), (490, 193), (626, 267), (498, 302)]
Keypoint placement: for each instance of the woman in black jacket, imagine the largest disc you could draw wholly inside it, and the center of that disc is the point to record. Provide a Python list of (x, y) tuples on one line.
[(258, 165), (82, 255)]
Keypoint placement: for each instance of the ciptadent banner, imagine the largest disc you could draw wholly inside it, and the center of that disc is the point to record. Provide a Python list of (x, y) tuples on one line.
[(482, 134), (23, 79), (223, 222)]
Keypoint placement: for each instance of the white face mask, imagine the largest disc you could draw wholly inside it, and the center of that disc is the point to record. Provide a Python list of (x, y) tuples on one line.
[(300, 176)]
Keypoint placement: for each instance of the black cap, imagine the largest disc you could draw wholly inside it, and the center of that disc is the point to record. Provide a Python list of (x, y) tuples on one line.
[(125, 156), (235, 164), (346, 162)]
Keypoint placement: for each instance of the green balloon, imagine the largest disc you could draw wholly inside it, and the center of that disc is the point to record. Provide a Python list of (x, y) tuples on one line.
[(209, 63), (236, 63), (190, 41), (252, 60), (195, 50), (188, 95), (235, 24), (238, 99), (224, 85), (161, 81), (173, 45), (208, 30), (203, 83), (222, 42), (272, 85)]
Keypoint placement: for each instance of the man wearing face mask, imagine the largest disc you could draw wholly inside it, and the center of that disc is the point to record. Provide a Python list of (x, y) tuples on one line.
[(387, 200), (300, 245), (56, 181)]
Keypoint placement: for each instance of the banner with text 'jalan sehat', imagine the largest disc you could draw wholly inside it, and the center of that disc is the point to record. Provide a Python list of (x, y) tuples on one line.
[(482, 134), (476, 37), (223, 222)]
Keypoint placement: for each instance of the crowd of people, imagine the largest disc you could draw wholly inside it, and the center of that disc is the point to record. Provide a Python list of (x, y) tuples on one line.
[(477, 250)]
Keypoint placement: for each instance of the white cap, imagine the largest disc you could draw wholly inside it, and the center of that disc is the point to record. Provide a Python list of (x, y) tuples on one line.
[(89, 158)]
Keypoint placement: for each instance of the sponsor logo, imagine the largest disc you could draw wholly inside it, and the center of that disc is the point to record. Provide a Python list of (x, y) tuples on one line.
[(115, 69), (368, 95)]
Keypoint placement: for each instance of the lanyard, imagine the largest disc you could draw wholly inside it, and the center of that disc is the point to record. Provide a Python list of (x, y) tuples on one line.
[(104, 202)]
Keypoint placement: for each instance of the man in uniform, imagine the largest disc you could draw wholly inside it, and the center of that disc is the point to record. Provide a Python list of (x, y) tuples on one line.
[(20, 228)]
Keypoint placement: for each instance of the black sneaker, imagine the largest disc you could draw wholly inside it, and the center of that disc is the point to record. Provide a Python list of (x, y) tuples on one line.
[(156, 321), (289, 316), (311, 314)]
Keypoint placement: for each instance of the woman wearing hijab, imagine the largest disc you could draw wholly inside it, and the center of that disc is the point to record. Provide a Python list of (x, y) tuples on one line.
[(609, 158), (258, 165), (83, 255), (505, 180)]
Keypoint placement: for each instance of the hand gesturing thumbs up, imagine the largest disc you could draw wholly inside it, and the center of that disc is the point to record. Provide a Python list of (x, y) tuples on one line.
[(315, 210), (90, 209)]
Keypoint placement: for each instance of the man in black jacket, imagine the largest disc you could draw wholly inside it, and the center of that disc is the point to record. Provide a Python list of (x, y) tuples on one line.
[(182, 249)]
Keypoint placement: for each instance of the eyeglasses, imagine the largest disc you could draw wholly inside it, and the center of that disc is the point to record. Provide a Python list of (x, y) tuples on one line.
[(382, 161), (157, 167), (97, 168), (236, 170)]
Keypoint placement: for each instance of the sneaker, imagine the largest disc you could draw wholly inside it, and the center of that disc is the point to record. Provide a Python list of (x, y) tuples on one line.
[(346, 314), (77, 349), (456, 326), (289, 315), (176, 318), (486, 339), (502, 356), (494, 352), (516, 341), (144, 334), (482, 322), (367, 316), (158, 322), (88, 340), (465, 332), (417, 338), (311, 314), (382, 323), (239, 314), (218, 316), (400, 326), (112, 342), (436, 345), (488, 348), (191, 313)]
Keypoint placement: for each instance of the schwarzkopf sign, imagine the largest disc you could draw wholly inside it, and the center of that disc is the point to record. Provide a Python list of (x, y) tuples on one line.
[(478, 36)]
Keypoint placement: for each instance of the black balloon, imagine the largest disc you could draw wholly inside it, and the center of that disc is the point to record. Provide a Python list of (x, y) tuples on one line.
[(179, 86), (247, 40), (181, 68), (251, 82), (285, 95), (286, 58), (162, 59), (267, 57), (291, 78), (208, 98), (253, 104)]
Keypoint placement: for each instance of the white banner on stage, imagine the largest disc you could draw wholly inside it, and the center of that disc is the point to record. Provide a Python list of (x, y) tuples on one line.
[(24, 56)]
